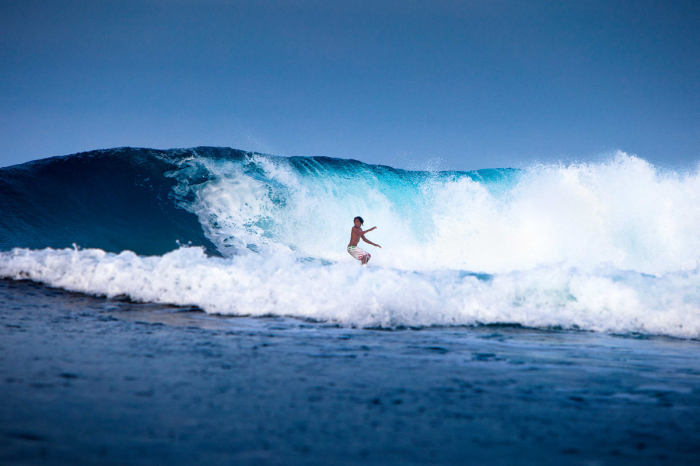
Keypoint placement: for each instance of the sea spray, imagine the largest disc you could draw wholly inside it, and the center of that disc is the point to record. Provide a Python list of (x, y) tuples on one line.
[(622, 212)]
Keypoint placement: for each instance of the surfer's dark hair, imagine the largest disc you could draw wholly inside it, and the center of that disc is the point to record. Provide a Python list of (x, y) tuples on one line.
[(360, 219)]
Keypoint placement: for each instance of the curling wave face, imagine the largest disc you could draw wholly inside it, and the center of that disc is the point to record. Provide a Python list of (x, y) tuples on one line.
[(609, 246)]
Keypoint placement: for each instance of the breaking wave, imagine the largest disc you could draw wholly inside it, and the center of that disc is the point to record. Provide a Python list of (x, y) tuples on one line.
[(610, 246)]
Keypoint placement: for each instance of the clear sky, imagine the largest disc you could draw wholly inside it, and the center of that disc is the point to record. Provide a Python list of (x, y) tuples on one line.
[(452, 84)]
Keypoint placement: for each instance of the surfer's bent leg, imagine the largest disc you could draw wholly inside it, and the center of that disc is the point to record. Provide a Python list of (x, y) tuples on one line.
[(359, 254)]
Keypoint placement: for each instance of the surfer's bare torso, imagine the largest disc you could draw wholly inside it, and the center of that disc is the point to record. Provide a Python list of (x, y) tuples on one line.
[(356, 234)]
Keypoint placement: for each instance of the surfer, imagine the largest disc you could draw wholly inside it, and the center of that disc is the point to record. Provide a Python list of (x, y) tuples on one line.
[(355, 234)]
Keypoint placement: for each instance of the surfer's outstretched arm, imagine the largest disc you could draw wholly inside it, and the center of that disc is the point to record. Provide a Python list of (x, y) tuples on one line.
[(367, 231), (368, 241)]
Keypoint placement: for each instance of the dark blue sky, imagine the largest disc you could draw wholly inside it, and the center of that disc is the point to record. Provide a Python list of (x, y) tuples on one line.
[(466, 85)]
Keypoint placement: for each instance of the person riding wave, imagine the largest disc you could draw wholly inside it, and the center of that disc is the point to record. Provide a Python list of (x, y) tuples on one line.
[(355, 235)]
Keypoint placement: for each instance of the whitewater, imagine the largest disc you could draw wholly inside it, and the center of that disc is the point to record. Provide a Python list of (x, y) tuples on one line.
[(610, 246)]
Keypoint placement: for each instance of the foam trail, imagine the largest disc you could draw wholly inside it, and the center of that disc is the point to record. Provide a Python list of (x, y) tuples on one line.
[(604, 299)]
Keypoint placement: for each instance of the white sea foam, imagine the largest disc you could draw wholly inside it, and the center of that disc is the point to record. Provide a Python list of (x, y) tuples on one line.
[(601, 299)]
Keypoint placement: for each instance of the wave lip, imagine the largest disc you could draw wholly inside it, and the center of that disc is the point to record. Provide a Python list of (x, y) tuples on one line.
[(604, 299)]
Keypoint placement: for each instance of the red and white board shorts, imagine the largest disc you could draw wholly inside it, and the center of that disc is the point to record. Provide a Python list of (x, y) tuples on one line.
[(358, 253)]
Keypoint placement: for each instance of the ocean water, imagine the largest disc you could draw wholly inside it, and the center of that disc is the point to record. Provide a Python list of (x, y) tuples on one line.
[(611, 246)]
